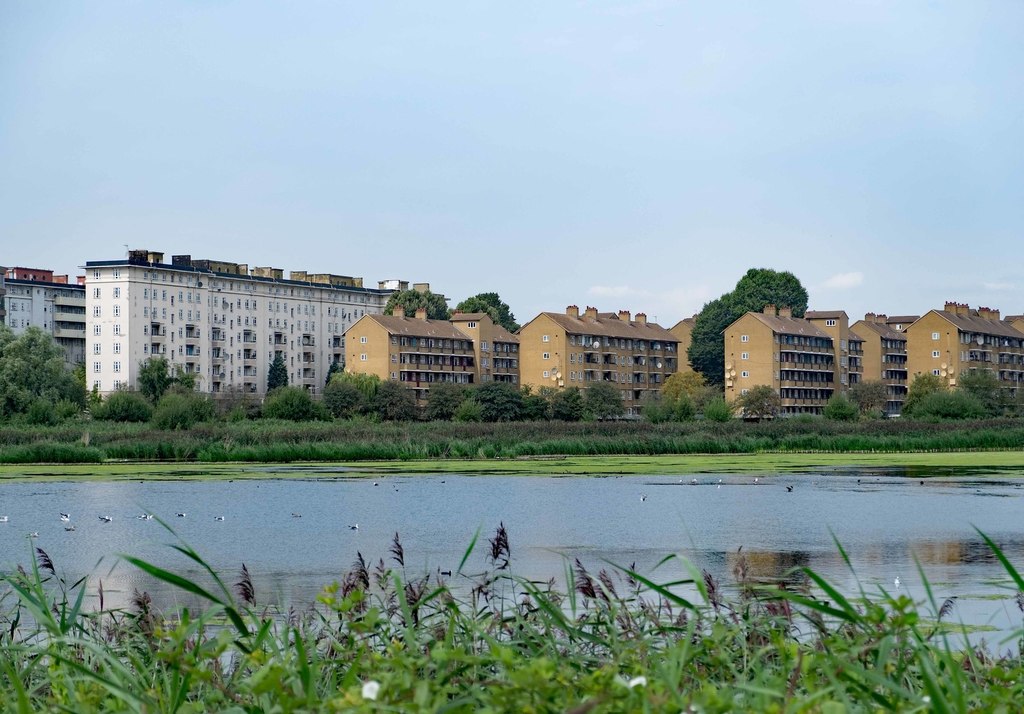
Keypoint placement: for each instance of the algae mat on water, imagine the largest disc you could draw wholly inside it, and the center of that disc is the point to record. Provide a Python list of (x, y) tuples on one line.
[(921, 464)]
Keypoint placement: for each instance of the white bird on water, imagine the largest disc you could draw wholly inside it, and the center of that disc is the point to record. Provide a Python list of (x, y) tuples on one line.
[(65, 517), (643, 496), (33, 534), (218, 518), (3, 519), (896, 583)]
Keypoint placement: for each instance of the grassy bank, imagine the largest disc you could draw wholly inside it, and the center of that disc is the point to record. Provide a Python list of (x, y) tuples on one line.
[(614, 640), (282, 442)]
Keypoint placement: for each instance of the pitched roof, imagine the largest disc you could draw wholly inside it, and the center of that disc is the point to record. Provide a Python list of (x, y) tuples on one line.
[(788, 325), (609, 325), (902, 319), (413, 327), (824, 314), (688, 321), (500, 333), (976, 323), (880, 329), (467, 316)]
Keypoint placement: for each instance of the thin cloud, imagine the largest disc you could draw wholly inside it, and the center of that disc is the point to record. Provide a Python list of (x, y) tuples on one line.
[(999, 287), (844, 281)]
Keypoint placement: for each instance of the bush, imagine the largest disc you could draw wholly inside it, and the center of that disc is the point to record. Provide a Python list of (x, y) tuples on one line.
[(567, 405), (949, 405), (717, 410), (394, 402), (182, 410), (343, 399), (41, 413), (443, 400), (839, 408), (603, 401), (292, 404), (123, 406), (67, 409), (499, 402), (468, 411)]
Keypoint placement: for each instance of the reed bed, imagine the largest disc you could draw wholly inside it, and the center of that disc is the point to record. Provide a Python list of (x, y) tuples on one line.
[(276, 441), (481, 639)]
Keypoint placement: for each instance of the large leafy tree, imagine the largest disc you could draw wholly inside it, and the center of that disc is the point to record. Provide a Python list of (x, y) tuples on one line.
[(412, 300), (155, 378), (32, 368), (499, 401), (756, 289), (491, 304), (761, 402), (603, 401), (870, 397)]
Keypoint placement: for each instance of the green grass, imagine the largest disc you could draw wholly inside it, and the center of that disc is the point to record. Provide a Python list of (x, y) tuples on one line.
[(484, 640)]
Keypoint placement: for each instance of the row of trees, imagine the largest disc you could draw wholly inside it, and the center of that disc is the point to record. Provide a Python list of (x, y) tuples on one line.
[(437, 309)]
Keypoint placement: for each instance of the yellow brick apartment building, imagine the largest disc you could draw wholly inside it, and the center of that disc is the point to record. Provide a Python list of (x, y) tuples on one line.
[(495, 349), (885, 356), (576, 350)]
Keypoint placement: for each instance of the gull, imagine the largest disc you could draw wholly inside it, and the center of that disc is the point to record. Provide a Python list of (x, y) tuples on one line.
[(896, 583), (69, 528), (218, 518), (145, 517), (106, 519), (354, 527), (180, 515), (755, 479), (3, 519), (693, 482), (643, 496), (65, 517), (33, 534)]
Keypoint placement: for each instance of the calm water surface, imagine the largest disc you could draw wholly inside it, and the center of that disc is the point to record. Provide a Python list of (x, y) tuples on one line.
[(884, 522)]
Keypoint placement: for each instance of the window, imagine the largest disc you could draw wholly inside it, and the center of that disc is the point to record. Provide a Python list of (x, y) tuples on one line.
[(935, 372), (95, 348), (117, 329), (830, 323), (96, 311), (117, 274), (96, 385), (545, 338), (362, 357), (117, 311), (935, 335), (744, 391), (117, 292), (97, 367), (744, 355), (546, 374), (744, 338), (744, 374), (96, 293), (96, 329), (117, 367), (117, 348), (935, 354), (362, 340), (471, 325), (546, 355)]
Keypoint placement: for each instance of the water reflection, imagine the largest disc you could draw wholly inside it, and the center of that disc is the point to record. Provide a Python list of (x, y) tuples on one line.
[(886, 523)]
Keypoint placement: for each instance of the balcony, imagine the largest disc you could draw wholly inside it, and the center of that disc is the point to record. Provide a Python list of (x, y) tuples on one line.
[(308, 341), (249, 355), (217, 335), (280, 340), (191, 351), (192, 332), (70, 332), (249, 337), (70, 300)]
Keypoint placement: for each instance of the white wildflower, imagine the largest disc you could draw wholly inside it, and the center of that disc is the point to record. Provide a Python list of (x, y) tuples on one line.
[(370, 689)]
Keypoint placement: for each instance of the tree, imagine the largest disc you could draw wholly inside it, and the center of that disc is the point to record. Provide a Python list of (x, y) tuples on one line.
[(760, 402), (343, 399), (718, 410), (943, 405), (603, 401), (839, 408), (182, 408), (277, 377), (499, 402), (367, 384), (492, 305), (921, 387), (984, 386), (154, 378), (411, 300), (333, 369), (756, 289), (393, 402), (567, 405), (124, 405), (443, 401), (293, 404), (31, 368), (692, 384), (537, 407), (870, 397)]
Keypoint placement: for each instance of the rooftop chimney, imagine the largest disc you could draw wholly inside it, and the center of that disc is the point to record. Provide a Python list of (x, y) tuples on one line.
[(769, 309), (624, 315), (421, 313), (591, 313), (398, 311), (573, 311), (785, 312), (641, 317)]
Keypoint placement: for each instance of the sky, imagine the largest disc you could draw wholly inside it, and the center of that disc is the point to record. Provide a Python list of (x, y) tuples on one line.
[(626, 155)]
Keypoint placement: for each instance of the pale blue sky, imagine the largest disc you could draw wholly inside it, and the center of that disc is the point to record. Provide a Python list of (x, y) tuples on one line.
[(628, 155)]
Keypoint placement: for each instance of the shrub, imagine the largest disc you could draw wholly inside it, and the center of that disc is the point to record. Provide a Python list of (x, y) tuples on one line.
[(717, 410), (394, 402), (343, 399), (839, 408), (949, 405), (469, 411), (182, 410), (567, 405), (443, 401), (67, 409), (292, 404), (41, 413), (123, 406), (499, 402), (603, 401), (683, 409)]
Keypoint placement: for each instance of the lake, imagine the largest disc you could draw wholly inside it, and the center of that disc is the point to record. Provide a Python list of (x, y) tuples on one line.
[(883, 520)]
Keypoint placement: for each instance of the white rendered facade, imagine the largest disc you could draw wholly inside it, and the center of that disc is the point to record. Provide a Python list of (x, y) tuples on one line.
[(226, 328), (55, 308)]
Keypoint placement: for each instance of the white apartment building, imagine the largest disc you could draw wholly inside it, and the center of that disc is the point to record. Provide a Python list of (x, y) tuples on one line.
[(37, 298), (220, 321)]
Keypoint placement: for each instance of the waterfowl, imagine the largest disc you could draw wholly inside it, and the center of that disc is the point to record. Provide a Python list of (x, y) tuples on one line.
[(354, 527), (218, 518), (65, 517), (106, 519)]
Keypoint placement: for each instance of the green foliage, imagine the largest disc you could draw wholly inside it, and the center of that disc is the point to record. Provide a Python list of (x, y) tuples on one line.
[(756, 289), (718, 410), (944, 404), (412, 300), (333, 369), (277, 375), (292, 404), (984, 387), (393, 402), (870, 397), (683, 408), (31, 368), (537, 405), (367, 384), (499, 402), (181, 409), (343, 399), (567, 405), (443, 401), (154, 378), (66, 409), (921, 387), (760, 402), (492, 305), (469, 411), (839, 408), (603, 401), (42, 413), (124, 406)]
